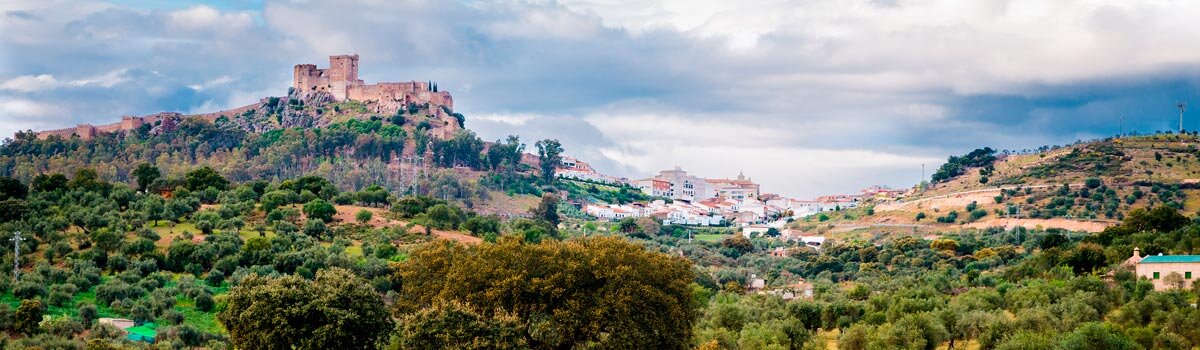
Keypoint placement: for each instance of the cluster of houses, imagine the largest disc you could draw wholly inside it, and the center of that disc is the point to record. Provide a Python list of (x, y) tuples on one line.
[(575, 169), (692, 200), (697, 201)]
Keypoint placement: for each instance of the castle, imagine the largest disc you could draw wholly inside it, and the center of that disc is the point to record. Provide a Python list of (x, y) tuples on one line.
[(340, 81)]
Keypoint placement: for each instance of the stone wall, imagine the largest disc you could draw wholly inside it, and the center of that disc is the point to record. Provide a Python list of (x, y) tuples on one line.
[(128, 123), (229, 113), (341, 81)]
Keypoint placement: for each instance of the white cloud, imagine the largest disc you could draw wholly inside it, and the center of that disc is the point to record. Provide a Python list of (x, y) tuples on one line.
[(106, 80), (30, 83), (826, 93), (44, 82), (510, 119), (544, 23), (971, 47), (648, 143), (27, 108), (224, 79), (20, 114), (655, 129), (207, 18)]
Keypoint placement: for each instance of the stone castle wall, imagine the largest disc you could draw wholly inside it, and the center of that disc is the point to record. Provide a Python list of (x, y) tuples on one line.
[(339, 80), (229, 113), (129, 123)]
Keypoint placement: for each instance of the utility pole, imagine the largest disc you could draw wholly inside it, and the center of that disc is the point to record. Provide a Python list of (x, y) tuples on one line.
[(1182, 106), (16, 254), (922, 182)]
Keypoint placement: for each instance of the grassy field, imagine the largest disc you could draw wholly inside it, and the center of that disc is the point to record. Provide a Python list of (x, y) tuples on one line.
[(710, 237), (204, 321)]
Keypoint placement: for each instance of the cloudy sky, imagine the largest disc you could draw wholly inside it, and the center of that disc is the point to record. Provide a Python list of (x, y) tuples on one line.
[(806, 97)]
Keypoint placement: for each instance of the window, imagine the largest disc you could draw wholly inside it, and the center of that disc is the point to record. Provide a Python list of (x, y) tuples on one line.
[(1187, 275), (1156, 275)]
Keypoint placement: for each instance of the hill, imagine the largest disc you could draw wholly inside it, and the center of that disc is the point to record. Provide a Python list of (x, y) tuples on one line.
[(1081, 187)]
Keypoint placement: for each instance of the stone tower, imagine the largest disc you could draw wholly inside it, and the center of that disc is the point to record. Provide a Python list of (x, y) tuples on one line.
[(307, 79), (343, 73)]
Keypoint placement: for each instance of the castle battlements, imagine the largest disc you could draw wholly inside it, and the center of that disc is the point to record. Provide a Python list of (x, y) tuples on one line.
[(341, 81)]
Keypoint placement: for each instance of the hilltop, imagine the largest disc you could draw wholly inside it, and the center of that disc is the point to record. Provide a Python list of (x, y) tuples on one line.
[(403, 136), (1086, 186)]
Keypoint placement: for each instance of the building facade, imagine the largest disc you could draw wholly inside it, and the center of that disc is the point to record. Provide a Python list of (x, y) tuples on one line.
[(1167, 271), (680, 185), (737, 189)]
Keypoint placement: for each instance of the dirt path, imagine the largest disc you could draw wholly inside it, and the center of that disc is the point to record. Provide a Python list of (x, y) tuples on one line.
[(379, 219), (1059, 223), (957, 199)]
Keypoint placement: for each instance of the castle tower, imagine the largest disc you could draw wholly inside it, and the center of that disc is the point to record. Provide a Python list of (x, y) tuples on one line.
[(343, 73), (130, 123), (85, 131), (306, 79)]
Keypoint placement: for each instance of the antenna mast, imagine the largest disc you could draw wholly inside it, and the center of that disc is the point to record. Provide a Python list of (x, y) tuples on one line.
[(16, 254), (1182, 106)]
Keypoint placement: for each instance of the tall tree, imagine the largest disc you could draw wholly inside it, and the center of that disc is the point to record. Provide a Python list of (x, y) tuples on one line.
[(205, 177), (549, 158), (320, 209), (583, 291), (12, 188), (547, 209), (457, 326), (336, 310), (49, 182), (145, 174), (28, 315)]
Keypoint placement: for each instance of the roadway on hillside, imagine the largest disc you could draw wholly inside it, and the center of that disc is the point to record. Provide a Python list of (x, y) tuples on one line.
[(953, 199), (985, 195), (379, 219)]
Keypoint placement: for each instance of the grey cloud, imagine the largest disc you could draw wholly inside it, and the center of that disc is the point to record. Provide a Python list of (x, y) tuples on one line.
[(906, 78)]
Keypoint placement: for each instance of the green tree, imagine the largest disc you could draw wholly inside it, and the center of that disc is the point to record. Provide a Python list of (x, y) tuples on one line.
[(88, 315), (336, 310), (28, 315), (146, 174), (1097, 336), (278, 198), (320, 209), (205, 177), (1086, 257), (1027, 340), (87, 179), (854, 338), (542, 284), (12, 188), (547, 209), (549, 158), (482, 225), (456, 325), (444, 216), (315, 228), (206, 220), (913, 331), (363, 216), (49, 182)]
